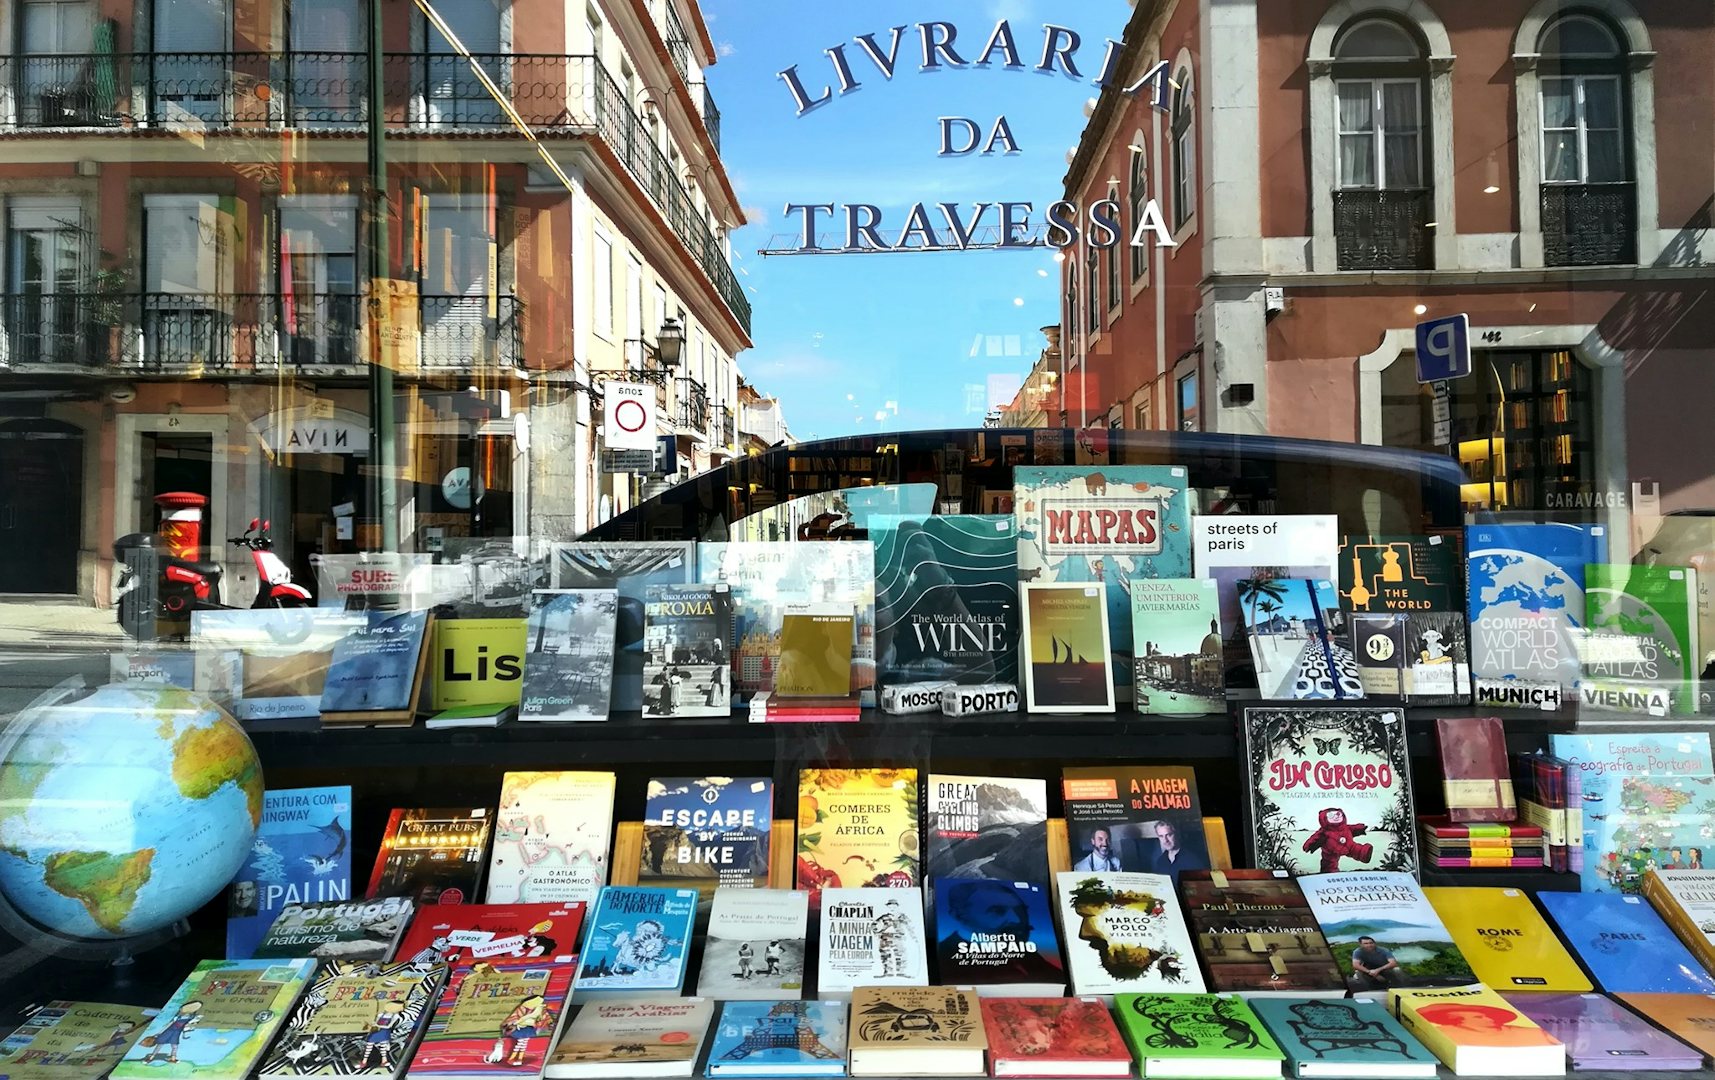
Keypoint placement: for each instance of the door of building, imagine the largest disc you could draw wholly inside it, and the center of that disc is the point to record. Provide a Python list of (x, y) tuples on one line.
[(41, 506), (456, 97), (56, 38)]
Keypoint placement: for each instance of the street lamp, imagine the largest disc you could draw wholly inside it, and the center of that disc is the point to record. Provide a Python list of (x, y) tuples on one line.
[(670, 342)]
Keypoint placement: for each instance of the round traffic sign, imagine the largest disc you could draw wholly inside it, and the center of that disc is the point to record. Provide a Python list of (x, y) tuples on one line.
[(630, 415)]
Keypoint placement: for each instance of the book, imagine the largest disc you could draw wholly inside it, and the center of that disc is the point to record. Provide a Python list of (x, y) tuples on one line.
[(946, 598), (1177, 665), (1643, 623), (1438, 657), (1144, 819), (1055, 1037), (1354, 1039), (376, 671), (707, 832), (219, 1021), (870, 937), (1110, 525), (261, 663), (551, 837), (687, 651), (1125, 931), (71, 1040), (1688, 1017), (570, 638), (1378, 647), (660, 1036), (754, 948), (472, 716), (1234, 547), (464, 934), (1256, 934), (987, 827), (1544, 785), (769, 577), (1330, 790), (629, 568), (1384, 932), (779, 1038), (1067, 655), (638, 942), (917, 1031), (1298, 640), (998, 937), (835, 849), (1508, 944), (1526, 596), (1443, 828), (1660, 823), (815, 651), (1685, 900), (433, 856), (1609, 932), (1202, 1036), (358, 1018), (1399, 573), (1602, 761), (1598, 1033), (477, 662), (768, 708), (301, 854), (1476, 779), (344, 930), (495, 1018), (1477, 1032)]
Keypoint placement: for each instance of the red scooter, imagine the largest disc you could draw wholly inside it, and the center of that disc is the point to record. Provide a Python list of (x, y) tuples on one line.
[(182, 586)]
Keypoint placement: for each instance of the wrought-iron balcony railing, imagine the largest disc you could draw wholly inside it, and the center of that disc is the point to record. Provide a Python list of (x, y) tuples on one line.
[(1589, 224), (711, 118), (1383, 229), (678, 43), (728, 430), (693, 407)]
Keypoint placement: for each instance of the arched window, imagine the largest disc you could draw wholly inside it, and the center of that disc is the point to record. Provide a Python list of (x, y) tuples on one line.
[(1583, 103), (1070, 322), (1137, 197), (1112, 255), (1184, 147), (1093, 287), (1379, 89)]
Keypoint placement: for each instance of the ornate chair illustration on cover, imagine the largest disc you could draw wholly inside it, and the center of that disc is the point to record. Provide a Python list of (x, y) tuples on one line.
[(1327, 1025)]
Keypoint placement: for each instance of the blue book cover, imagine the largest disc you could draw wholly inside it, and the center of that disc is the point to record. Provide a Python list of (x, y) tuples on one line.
[(638, 941), (1624, 944), (992, 932), (1355, 1037), (1526, 594), (630, 568), (779, 1038), (374, 668), (1604, 761), (706, 832), (301, 855)]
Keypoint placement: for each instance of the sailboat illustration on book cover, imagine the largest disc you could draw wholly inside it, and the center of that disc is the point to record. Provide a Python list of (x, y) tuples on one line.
[(1067, 656)]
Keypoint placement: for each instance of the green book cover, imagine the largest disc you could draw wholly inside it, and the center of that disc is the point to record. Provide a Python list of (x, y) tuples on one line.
[(1176, 646), (219, 1021), (1643, 629), (1204, 1035), (1399, 573)]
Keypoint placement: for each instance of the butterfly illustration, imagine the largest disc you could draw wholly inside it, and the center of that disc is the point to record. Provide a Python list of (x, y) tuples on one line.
[(1326, 746)]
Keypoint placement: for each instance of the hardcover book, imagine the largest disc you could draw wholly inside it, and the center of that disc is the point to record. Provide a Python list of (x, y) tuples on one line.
[(946, 598), (1379, 650), (1477, 1032), (357, 1019), (1526, 586), (477, 662), (815, 651), (779, 1038), (219, 1021), (1689, 1017), (1143, 819), (654, 1037), (71, 1040), (433, 856), (551, 837), (1298, 639), (639, 941), (1330, 790), (871, 937), (1600, 1034), (465, 934), (1256, 935), (495, 1018), (344, 930), (1602, 761), (570, 635), (707, 833), (1354, 1039), (754, 949), (997, 936), (1476, 778), (1055, 1037), (987, 827), (1685, 900), (1438, 658), (1609, 932), (1067, 654), (1125, 932), (301, 855), (1643, 624), (1177, 668), (1205, 1036), (1661, 823), (1507, 943), (1399, 574), (687, 651), (1234, 547), (917, 1031), (1384, 932), (375, 673), (836, 849), (629, 568)]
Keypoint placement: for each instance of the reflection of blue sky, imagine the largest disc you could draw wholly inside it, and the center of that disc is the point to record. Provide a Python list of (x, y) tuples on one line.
[(893, 342)]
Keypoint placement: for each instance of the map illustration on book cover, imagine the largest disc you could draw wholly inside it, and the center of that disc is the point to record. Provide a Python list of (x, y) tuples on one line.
[(1526, 587), (836, 849), (1144, 819), (871, 937), (629, 568), (988, 827), (946, 598), (377, 668), (706, 832), (1330, 790), (997, 935), (1384, 932), (1255, 932), (1067, 650), (1660, 823), (551, 837), (779, 1038), (687, 658), (301, 854), (464, 934), (1603, 760), (1643, 625), (495, 1016), (1298, 640), (639, 940), (219, 1021), (1399, 574), (567, 670), (1177, 666), (356, 1019), (755, 944), (1125, 932), (71, 1040), (347, 930), (433, 856)]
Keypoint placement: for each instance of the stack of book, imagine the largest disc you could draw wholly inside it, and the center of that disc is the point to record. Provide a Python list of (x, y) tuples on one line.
[(769, 707), (1551, 796), (1481, 828), (1447, 845)]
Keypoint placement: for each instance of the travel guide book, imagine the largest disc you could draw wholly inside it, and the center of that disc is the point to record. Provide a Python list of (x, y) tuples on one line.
[(262, 663), (779, 1038), (1125, 932), (754, 948), (477, 662), (687, 651), (1354, 1039), (1685, 900), (1201, 1036), (1067, 653), (836, 849), (1298, 640), (987, 826), (946, 598), (1235, 547), (1603, 761), (1384, 932), (1526, 598), (432, 856), (219, 1021), (629, 568), (1477, 1032), (1600, 1033), (707, 832), (1177, 667), (871, 937), (1054, 1036), (1643, 624), (1256, 934), (1609, 932), (638, 943), (464, 934), (1508, 944), (551, 837), (376, 672), (71, 1040), (654, 1037), (495, 1018), (997, 936), (356, 1019), (301, 854), (917, 1031), (1688, 1017), (568, 667), (1399, 573), (1141, 819), (816, 642), (345, 930)]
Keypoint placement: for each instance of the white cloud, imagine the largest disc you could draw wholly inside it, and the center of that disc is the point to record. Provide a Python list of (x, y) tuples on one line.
[(725, 49)]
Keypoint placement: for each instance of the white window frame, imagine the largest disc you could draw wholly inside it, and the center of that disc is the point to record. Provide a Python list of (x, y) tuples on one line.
[(1580, 122), (602, 317), (1378, 133)]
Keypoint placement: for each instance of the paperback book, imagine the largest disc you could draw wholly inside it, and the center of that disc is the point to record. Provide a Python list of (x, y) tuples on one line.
[(568, 673), (339, 930), (836, 850), (1526, 597), (1384, 932), (376, 671), (1177, 668), (1477, 1032), (1256, 934), (917, 1031), (707, 833), (356, 1019), (1437, 658), (687, 651), (816, 642), (1399, 574), (1125, 932), (779, 1038), (638, 943), (1142, 819), (495, 1018), (219, 1021), (1298, 639), (1685, 900), (1643, 624), (464, 934), (629, 568), (1056, 1037), (655, 1037), (1609, 932), (997, 936), (477, 662), (1688, 1017), (1507, 943), (1202, 1036), (1378, 649), (432, 856), (1599, 1033), (551, 837), (754, 949), (946, 598), (1068, 657), (301, 854), (1603, 760), (1351, 1040), (987, 827), (71, 1040), (1235, 547), (871, 937)]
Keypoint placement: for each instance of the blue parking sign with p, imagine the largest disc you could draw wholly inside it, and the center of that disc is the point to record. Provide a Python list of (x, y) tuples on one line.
[(1444, 348)]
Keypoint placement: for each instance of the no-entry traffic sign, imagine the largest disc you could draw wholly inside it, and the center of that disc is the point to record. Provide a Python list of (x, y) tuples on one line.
[(628, 416)]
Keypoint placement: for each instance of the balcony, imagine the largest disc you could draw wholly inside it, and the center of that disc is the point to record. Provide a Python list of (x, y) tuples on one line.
[(711, 118), (1589, 224), (678, 43), (728, 429), (1383, 229), (693, 408)]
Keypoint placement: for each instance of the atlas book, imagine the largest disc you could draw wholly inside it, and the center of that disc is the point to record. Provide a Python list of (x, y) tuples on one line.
[(754, 949), (1508, 944), (871, 937), (1477, 780), (629, 568), (638, 943), (1067, 655), (220, 1020), (1603, 760), (464, 934), (71, 1040), (343, 930), (917, 1031), (477, 662), (856, 828), (1398, 573), (1140, 819), (1177, 667), (1256, 934), (987, 827), (998, 937), (1687, 1017), (495, 1018), (1330, 790), (1477, 1032), (1643, 623), (357, 1019), (1235, 547), (707, 832), (376, 672), (301, 854), (1526, 598), (767, 578), (569, 638), (779, 1038), (1600, 1033), (1197, 1037), (433, 856), (551, 837), (946, 598), (1125, 932), (1609, 932), (1068, 1038), (687, 651), (815, 651), (653, 1037), (1685, 900), (1384, 932), (1342, 1040)]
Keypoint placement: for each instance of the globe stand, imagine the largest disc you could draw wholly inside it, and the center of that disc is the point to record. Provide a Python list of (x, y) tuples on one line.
[(119, 953)]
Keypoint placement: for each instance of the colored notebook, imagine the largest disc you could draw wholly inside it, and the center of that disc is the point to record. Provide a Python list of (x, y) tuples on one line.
[(1354, 1039), (1600, 1034), (1507, 943), (1609, 932), (219, 1021)]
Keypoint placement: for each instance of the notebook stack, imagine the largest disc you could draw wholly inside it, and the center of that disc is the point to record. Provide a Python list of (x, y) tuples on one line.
[(1447, 845), (1551, 796)]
